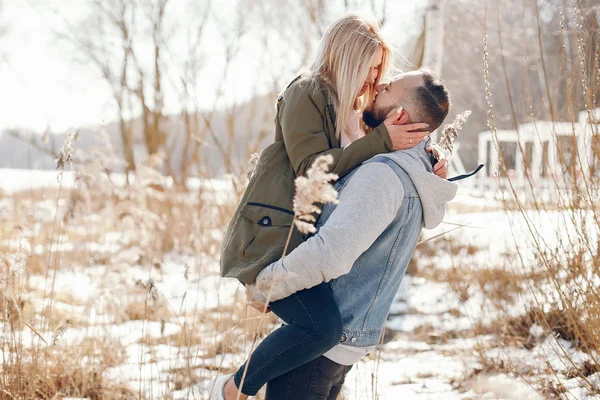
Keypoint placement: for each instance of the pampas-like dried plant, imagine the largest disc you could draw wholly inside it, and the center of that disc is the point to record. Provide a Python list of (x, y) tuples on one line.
[(312, 190), (60, 331), (252, 165), (450, 131), (65, 156)]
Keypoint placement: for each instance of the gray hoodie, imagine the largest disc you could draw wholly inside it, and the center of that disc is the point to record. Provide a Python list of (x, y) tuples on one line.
[(368, 204)]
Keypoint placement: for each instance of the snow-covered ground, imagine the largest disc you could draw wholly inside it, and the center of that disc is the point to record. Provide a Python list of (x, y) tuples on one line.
[(19, 180), (15, 180), (423, 359)]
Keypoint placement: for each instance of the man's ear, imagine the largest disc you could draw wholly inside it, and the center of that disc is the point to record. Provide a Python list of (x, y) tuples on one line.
[(398, 118), (402, 118)]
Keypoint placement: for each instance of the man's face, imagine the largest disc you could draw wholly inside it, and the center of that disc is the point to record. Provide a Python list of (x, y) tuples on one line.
[(392, 95)]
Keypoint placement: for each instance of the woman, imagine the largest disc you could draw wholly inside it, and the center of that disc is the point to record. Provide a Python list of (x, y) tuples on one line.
[(318, 113)]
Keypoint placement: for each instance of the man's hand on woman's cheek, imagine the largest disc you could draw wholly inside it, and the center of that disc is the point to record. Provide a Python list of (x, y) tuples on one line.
[(404, 135)]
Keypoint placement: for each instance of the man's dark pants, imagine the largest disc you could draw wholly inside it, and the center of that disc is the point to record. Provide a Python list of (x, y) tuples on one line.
[(319, 379)]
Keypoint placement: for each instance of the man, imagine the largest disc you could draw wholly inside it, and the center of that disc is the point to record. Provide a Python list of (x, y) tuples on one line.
[(364, 244)]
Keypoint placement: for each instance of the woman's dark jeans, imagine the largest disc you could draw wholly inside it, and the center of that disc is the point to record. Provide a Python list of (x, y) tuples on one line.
[(314, 326)]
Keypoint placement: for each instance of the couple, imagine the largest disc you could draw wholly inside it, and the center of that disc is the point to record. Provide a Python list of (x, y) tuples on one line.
[(335, 288)]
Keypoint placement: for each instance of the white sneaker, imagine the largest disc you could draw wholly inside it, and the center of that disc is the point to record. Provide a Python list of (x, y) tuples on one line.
[(217, 387)]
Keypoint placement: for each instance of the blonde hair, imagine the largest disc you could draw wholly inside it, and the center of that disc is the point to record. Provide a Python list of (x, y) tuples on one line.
[(343, 63)]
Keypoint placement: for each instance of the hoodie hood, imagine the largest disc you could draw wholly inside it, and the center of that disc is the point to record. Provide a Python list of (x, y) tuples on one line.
[(434, 191)]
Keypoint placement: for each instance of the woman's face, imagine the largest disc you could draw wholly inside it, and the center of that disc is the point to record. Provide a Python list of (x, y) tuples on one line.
[(373, 70)]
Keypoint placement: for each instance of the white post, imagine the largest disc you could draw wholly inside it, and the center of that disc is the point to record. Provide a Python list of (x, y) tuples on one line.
[(552, 157), (536, 159), (519, 166)]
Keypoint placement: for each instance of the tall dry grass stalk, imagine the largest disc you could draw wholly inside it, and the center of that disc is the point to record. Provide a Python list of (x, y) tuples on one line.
[(36, 361), (450, 131), (102, 222), (312, 191), (568, 303)]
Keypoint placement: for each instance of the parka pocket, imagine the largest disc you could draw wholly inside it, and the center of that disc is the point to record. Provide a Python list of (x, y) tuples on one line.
[(258, 230), (267, 228)]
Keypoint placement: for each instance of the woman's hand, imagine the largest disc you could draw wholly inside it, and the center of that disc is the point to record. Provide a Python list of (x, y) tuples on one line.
[(256, 304), (441, 167), (403, 135)]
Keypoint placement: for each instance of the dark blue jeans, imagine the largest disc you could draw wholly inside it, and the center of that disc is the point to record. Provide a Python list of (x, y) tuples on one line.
[(314, 326), (319, 379)]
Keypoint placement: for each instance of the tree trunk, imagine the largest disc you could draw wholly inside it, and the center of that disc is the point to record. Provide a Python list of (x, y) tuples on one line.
[(429, 49), (124, 126), (433, 51), (429, 53), (158, 139), (126, 138)]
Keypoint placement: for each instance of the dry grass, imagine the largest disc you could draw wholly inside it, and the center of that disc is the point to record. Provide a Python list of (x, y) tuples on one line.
[(127, 226), (569, 307), (150, 218), (500, 285), (75, 370), (49, 232)]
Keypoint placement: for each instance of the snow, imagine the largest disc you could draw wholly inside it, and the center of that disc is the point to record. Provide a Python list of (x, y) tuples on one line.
[(18, 180), (425, 358)]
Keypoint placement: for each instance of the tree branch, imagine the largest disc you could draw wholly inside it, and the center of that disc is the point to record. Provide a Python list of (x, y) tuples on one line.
[(33, 142)]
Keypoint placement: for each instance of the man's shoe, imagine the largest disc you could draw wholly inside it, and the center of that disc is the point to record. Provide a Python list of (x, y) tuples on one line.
[(217, 387)]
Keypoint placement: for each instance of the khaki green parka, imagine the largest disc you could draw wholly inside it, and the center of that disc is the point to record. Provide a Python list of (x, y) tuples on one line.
[(305, 129)]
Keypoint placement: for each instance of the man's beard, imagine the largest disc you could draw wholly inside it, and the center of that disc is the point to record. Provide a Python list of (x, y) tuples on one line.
[(375, 116)]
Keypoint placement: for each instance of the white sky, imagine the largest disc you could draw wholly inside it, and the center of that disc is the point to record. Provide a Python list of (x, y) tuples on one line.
[(42, 86)]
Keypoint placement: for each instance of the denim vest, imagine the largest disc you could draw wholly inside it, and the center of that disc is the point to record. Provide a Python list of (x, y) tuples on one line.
[(365, 295)]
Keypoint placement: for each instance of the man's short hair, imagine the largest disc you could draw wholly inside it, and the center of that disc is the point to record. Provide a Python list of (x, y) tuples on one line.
[(431, 100)]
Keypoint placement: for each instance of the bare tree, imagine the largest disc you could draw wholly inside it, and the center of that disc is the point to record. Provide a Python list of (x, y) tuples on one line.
[(430, 45), (94, 44), (139, 49), (193, 138), (147, 66), (126, 41), (151, 117)]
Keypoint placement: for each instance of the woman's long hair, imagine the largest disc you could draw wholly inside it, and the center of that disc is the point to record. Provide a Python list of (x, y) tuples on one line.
[(343, 62)]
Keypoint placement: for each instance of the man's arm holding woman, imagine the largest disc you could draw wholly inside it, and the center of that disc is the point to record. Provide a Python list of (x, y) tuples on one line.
[(368, 204)]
